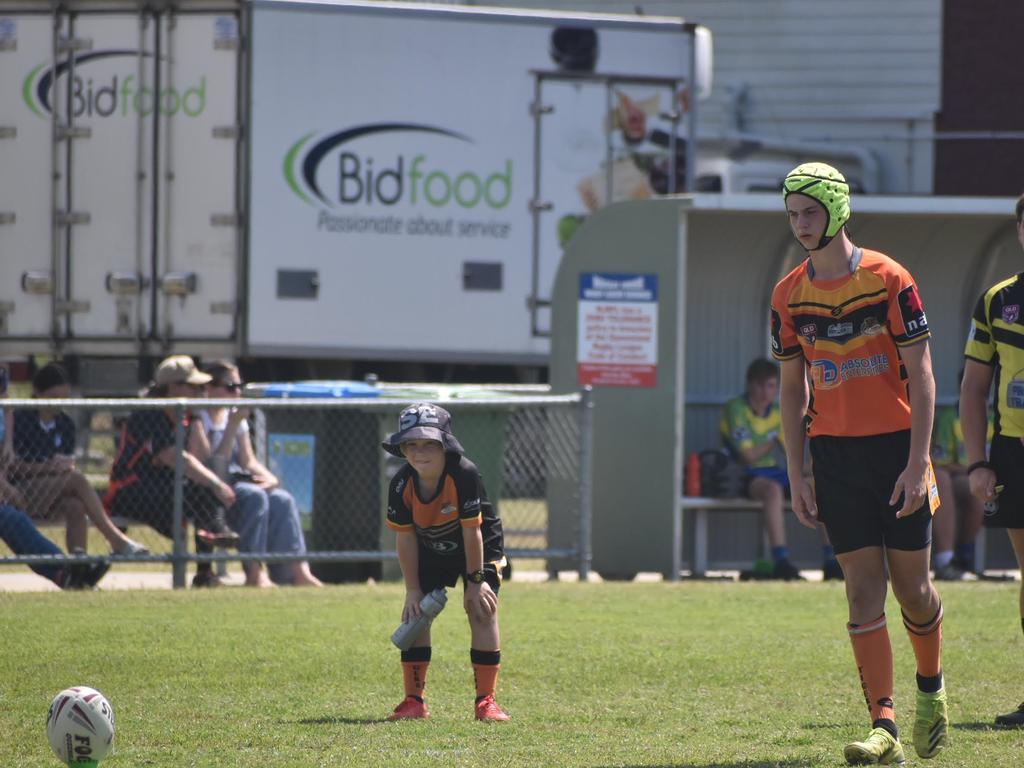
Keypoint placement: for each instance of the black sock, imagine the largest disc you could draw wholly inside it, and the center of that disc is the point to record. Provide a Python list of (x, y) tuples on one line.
[(887, 724), (929, 684)]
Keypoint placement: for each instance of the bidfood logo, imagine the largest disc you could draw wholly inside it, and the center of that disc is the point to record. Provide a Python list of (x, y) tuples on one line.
[(349, 168), (96, 91)]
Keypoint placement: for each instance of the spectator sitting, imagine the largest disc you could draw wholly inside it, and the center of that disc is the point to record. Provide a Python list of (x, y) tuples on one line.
[(751, 429), (265, 515), (19, 532), (142, 477), (43, 469)]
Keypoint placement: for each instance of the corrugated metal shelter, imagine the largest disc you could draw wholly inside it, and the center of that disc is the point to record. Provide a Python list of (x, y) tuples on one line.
[(715, 259)]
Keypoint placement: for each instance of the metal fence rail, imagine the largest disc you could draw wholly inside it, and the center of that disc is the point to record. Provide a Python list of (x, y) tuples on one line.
[(333, 478)]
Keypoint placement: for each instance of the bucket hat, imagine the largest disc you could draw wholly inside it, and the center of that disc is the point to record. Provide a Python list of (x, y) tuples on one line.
[(423, 421)]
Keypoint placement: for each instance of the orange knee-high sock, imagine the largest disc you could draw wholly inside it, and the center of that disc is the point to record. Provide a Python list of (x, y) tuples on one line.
[(414, 670), (927, 641), (873, 653), (485, 671)]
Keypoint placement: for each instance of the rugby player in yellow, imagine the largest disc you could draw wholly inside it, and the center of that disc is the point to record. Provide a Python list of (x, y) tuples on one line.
[(850, 321), (995, 350)]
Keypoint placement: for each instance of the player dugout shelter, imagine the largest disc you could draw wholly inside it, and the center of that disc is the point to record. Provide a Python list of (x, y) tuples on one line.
[(712, 261)]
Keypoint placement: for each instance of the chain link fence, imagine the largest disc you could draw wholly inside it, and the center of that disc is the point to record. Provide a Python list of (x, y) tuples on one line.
[(129, 473)]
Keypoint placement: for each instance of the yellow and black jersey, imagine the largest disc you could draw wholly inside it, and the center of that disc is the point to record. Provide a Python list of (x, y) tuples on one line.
[(997, 338), (460, 502), (849, 331)]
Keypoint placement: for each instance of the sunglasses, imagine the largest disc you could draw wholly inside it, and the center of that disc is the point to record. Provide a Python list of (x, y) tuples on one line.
[(234, 386)]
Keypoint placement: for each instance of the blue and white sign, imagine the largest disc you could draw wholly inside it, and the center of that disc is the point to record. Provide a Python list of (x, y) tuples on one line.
[(617, 332)]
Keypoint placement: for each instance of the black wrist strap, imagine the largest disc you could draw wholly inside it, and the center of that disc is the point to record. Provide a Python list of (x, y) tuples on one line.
[(979, 465)]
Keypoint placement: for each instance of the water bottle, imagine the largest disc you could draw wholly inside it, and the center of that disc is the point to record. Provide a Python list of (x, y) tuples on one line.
[(409, 632), (691, 484)]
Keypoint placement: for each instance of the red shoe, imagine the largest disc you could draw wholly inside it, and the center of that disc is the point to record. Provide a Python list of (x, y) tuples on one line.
[(411, 708), (487, 709)]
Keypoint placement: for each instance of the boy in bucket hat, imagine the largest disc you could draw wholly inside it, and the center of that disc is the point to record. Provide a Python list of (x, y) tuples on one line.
[(445, 527), (850, 321)]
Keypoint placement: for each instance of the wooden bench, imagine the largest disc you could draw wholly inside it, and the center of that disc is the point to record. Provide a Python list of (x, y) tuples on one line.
[(703, 506)]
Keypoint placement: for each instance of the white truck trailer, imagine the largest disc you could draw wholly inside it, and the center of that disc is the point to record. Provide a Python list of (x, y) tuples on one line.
[(330, 181)]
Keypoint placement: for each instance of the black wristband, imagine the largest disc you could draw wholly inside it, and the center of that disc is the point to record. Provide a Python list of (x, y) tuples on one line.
[(979, 465)]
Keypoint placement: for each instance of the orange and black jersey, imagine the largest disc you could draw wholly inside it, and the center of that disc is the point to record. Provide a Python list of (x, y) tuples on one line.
[(460, 502), (997, 339), (144, 435), (849, 331)]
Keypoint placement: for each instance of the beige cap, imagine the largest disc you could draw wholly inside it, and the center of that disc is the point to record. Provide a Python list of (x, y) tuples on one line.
[(179, 369)]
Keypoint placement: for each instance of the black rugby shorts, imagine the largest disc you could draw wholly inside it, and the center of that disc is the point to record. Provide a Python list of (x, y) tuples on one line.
[(1008, 461), (853, 479)]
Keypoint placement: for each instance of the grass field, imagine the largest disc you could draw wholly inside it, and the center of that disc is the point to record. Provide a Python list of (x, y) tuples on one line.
[(616, 674)]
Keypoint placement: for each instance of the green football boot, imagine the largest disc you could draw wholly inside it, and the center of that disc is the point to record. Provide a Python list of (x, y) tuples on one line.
[(879, 748), (931, 723)]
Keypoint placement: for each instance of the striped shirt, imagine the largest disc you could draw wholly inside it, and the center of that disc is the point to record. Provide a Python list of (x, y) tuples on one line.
[(848, 332)]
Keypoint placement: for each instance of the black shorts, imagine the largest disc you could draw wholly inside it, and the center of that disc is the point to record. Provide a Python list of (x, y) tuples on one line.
[(853, 479), (445, 571), (1007, 457)]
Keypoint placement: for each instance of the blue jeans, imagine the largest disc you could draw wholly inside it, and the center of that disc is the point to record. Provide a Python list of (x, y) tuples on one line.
[(21, 535), (268, 521)]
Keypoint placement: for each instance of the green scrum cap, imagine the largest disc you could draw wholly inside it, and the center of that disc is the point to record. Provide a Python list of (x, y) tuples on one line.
[(826, 185)]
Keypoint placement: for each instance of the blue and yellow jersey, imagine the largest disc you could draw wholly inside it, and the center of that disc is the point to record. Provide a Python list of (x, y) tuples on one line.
[(997, 339), (948, 437), (742, 429), (848, 332)]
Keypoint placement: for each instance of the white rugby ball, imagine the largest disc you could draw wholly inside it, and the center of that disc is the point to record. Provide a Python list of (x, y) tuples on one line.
[(80, 726)]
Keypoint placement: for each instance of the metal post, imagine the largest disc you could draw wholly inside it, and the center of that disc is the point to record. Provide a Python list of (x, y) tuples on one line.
[(537, 206), (609, 155), (691, 122), (180, 550), (586, 480)]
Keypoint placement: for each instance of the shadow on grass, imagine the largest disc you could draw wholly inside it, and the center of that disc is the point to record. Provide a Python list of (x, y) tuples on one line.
[(977, 726), (338, 721), (741, 764)]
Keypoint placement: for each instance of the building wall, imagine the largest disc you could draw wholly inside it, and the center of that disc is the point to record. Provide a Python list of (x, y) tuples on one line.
[(982, 81)]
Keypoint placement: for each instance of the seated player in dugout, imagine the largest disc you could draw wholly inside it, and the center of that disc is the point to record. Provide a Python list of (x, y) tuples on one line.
[(751, 430), (958, 520)]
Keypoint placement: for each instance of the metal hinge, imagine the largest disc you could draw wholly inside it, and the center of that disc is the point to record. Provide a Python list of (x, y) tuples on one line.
[(538, 206), (70, 44), (536, 108), (72, 306), (226, 220), (64, 132), (64, 218), (223, 307), (8, 132), (7, 217), (226, 132)]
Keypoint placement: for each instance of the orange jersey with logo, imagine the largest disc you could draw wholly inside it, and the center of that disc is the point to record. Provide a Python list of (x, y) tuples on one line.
[(849, 331), (460, 502)]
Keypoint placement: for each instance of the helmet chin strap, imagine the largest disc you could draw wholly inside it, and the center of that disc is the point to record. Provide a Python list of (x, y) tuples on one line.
[(825, 240)]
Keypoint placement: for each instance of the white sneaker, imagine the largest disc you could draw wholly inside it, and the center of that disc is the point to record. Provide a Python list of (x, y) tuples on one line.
[(131, 547)]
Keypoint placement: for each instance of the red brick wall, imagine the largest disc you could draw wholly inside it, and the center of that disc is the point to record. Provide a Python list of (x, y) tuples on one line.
[(982, 90)]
